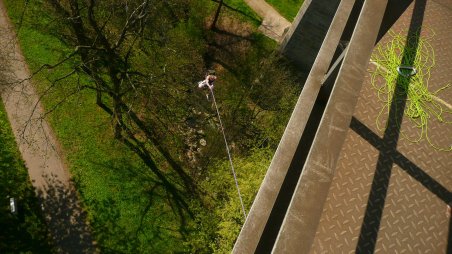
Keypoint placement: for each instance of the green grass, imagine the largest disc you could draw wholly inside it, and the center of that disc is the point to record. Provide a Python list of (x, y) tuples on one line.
[(287, 8), (228, 215), (127, 216), (117, 190), (244, 11), (25, 232)]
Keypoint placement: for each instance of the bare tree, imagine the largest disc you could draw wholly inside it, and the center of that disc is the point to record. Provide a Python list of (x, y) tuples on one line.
[(133, 68)]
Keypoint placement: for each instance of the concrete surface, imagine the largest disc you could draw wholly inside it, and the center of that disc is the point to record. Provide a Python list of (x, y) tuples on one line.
[(273, 24), (265, 217), (362, 189), (302, 41)]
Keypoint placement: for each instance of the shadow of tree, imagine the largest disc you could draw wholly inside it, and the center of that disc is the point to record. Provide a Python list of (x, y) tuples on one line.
[(25, 230), (231, 8), (133, 211), (65, 217)]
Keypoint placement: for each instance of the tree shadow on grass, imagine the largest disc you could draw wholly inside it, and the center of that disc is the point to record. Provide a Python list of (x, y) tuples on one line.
[(233, 37), (24, 231), (65, 218), (231, 8), (137, 213), (228, 39)]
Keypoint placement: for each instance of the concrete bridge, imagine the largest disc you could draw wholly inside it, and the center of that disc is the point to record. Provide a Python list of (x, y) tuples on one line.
[(338, 184)]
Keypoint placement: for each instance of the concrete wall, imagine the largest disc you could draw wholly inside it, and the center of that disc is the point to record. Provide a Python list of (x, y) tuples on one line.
[(264, 220), (285, 213), (304, 38)]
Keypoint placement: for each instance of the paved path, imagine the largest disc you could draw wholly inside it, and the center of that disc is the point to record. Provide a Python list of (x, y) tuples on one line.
[(39, 148), (273, 25)]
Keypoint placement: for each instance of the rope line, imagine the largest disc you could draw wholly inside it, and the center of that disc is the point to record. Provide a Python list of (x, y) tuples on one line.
[(229, 154), (422, 104)]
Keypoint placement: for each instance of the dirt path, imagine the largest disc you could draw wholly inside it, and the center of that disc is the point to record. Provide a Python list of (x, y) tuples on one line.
[(39, 148), (273, 25)]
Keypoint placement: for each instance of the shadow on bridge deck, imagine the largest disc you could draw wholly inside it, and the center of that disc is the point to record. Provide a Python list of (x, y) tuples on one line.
[(359, 189)]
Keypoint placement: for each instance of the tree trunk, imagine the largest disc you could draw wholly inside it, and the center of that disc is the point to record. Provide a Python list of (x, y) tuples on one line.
[(217, 15)]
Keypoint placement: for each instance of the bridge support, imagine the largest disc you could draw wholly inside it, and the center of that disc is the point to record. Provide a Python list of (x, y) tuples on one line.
[(304, 38), (287, 208)]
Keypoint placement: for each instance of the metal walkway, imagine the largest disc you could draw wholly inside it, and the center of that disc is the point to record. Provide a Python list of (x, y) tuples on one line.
[(389, 194), (350, 187)]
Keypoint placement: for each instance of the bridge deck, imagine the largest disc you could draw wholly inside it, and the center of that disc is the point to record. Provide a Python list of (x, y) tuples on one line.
[(388, 191)]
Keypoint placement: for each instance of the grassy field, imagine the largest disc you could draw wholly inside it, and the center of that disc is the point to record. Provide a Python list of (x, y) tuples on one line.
[(26, 231), (244, 10), (116, 189), (127, 212), (287, 8)]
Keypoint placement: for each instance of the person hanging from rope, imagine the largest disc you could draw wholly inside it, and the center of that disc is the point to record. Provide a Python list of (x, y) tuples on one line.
[(208, 82)]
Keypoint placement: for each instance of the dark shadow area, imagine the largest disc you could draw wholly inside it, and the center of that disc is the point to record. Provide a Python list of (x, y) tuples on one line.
[(304, 44), (238, 11), (231, 34), (22, 229), (351, 22), (65, 218), (388, 145), (136, 202), (284, 197), (449, 237), (25, 230), (330, 76), (396, 157), (224, 42), (394, 9)]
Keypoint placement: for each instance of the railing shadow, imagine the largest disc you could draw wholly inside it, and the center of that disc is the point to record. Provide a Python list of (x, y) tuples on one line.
[(387, 147), (449, 238), (400, 160)]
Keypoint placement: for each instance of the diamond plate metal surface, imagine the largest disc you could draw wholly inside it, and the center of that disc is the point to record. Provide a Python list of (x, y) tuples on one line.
[(414, 219), (345, 206), (407, 184)]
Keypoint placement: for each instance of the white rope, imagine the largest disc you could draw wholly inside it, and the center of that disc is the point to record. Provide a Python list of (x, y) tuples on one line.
[(229, 154)]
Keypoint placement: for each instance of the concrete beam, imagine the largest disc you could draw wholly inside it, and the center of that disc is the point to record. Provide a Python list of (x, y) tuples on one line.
[(300, 223), (305, 36), (265, 217)]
